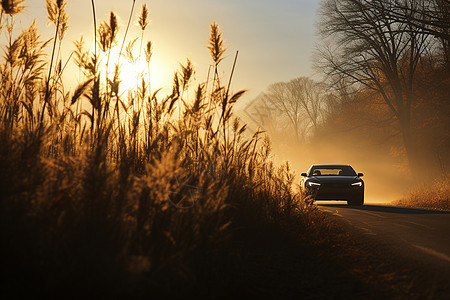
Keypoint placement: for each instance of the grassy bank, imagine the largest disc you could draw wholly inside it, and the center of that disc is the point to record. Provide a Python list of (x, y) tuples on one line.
[(121, 192), (433, 195)]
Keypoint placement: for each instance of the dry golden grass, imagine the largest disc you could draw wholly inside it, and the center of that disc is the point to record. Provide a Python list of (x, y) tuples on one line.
[(434, 195), (93, 179)]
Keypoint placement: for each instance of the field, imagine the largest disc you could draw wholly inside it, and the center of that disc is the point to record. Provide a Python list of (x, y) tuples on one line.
[(115, 191), (99, 183)]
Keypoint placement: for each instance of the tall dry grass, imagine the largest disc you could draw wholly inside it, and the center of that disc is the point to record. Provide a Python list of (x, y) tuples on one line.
[(99, 183), (434, 195)]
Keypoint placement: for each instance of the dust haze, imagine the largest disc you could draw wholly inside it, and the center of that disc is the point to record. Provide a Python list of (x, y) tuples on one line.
[(381, 103), (386, 178), (308, 123)]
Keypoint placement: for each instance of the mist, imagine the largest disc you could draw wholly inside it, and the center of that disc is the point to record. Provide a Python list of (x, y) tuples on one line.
[(308, 123), (378, 101), (386, 179)]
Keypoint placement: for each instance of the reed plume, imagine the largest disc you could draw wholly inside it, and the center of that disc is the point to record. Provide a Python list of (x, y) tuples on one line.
[(148, 51), (12, 7), (187, 71), (143, 17), (56, 13), (216, 43), (107, 33), (89, 187)]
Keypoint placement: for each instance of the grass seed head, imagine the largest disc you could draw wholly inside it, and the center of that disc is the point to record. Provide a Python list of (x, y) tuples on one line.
[(114, 26), (143, 17), (216, 44), (186, 71), (104, 36), (56, 13), (148, 51), (12, 7)]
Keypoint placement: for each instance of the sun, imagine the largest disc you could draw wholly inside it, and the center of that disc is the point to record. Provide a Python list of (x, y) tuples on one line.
[(133, 71), (131, 74)]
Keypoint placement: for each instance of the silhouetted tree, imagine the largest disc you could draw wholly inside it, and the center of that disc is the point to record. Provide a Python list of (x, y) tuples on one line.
[(428, 17), (370, 47), (302, 101)]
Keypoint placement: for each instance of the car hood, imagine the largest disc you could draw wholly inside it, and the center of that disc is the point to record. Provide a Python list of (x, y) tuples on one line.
[(334, 179)]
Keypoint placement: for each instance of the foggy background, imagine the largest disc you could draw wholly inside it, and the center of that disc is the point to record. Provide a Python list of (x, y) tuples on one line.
[(328, 105)]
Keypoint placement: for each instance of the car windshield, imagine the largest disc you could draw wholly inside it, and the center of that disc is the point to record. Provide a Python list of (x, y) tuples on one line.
[(332, 171)]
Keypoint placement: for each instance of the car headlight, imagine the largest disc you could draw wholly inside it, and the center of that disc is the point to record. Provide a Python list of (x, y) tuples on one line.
[(359, 183), (310, 183)]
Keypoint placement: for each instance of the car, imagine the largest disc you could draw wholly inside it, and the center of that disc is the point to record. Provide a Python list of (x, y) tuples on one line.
[(334, 182)]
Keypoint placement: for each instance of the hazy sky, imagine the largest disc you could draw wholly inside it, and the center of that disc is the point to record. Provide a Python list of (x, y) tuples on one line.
[(275, 39)]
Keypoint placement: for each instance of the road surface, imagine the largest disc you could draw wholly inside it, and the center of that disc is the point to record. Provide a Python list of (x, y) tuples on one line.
[(422, 235)]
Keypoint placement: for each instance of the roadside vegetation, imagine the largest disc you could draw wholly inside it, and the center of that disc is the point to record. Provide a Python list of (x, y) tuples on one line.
[(113, 192), (434, 195), (124, 192)]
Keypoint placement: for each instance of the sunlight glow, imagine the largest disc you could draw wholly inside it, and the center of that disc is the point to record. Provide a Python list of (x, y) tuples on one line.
[(132, 71)]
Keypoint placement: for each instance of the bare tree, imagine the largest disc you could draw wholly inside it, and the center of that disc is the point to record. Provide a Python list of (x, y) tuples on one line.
[(368, 48), (431, 17), (301, 101)]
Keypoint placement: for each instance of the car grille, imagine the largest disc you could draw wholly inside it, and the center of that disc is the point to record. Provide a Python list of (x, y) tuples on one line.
[(335, 186)]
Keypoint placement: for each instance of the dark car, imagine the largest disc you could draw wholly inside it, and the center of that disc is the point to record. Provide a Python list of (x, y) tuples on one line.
[(334, 182)]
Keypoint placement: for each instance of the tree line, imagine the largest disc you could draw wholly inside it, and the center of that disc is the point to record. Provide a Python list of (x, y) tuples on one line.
[(385, 65)]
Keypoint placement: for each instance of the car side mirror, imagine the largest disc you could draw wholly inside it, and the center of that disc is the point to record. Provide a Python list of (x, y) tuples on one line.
[(304, 175), (360, 174)]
